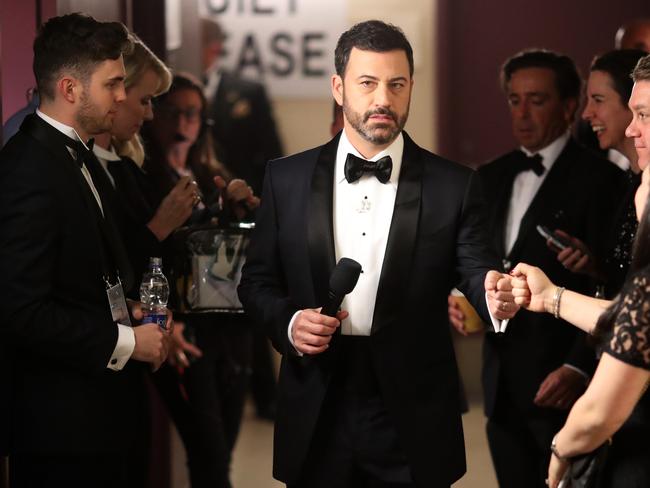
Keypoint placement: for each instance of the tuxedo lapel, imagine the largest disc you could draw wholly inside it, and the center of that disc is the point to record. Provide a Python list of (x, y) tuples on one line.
[(401, 239), (51, 138), (110, 229), (552, 185), (54, 141), (320, 229)]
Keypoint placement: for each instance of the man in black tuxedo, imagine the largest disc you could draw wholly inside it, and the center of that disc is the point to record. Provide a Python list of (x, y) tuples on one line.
[(75, 391), (534, 372), (369, 397)]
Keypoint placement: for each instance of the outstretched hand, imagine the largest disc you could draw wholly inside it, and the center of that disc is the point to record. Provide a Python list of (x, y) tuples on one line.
[(531, 288)]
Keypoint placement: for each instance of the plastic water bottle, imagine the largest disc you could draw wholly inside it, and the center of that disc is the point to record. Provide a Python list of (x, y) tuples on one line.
[(154, 293)]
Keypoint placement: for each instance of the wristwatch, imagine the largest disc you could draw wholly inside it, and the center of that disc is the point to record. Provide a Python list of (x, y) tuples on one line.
[(555, 451)]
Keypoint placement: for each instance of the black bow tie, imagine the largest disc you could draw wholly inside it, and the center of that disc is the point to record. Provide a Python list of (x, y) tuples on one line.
[(355, 167), (82, 151), (530, 163)]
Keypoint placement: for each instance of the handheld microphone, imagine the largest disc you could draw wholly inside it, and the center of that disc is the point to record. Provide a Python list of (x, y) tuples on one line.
[(343, 279)]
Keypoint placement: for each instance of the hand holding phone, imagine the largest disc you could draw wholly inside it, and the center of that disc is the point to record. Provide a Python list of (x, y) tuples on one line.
[(559, 242)]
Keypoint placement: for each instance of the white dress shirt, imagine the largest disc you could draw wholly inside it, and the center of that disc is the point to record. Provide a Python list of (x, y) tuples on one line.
[(125, 338), (363, 211), (525, 186)]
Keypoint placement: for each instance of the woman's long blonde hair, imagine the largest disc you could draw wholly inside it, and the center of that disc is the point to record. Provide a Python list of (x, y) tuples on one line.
[(136, 64)]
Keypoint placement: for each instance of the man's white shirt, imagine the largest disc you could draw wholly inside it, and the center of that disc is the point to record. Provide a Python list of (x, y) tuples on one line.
[(525, 187)]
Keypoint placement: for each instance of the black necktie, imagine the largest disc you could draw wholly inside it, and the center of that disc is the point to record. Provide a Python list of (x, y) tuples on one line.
[(530, 163), (355, 167)]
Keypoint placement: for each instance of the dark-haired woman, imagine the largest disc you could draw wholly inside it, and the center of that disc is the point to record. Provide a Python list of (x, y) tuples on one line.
[(616, 402), (608, 89), (206, 401)]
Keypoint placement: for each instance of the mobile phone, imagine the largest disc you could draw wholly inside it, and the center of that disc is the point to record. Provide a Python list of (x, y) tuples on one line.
[(558, 241)]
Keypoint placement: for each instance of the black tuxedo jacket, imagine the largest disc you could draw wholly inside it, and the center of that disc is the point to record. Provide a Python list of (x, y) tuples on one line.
[(579, 195), (436, 239), (244, 128), (54, 313)]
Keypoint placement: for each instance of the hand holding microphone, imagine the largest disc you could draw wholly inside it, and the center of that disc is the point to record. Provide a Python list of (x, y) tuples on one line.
[(313, 328)]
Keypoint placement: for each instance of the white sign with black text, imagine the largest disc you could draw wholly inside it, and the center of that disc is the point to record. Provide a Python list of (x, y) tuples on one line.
[(288, 44)]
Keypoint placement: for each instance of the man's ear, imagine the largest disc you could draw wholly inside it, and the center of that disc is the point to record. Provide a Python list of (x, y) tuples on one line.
[(337, 89), (69, 88), (570, 107)]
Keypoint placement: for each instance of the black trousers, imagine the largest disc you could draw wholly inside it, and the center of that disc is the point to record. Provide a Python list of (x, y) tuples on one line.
[(520, 443), (355, 444), (206, 403)]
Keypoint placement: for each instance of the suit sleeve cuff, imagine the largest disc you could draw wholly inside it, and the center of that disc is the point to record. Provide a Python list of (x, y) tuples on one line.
[(498, 325), (290, 329), (123, 349), (577, 370)]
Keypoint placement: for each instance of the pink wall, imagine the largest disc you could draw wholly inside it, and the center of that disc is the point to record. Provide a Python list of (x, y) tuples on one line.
[(18, 29)]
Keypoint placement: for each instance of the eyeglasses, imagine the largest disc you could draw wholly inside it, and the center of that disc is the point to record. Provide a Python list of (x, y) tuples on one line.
[(191, 114)]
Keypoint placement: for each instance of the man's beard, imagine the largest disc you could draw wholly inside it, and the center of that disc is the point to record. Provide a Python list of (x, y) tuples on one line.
[(89, 118), (378, 133)]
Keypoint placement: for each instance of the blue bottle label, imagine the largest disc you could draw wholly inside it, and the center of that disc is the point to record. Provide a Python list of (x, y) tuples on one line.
[(156, 318)]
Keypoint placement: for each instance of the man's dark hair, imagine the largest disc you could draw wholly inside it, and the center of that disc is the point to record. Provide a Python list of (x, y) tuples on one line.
[(642, 70), (77, 43), (372, 35), (619, 64), (567, 78)]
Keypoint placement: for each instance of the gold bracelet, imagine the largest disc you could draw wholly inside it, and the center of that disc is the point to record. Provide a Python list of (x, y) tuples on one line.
[(556, 301)]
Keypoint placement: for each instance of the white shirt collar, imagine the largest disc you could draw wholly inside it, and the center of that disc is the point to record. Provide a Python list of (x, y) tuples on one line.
[(395, 151), (106, 154), (551, 152), (61, 127)]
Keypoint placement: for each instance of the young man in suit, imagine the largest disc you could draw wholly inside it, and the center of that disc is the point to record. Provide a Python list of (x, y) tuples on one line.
[(534, 372), (369, 397), (76, 391), (639, 128)]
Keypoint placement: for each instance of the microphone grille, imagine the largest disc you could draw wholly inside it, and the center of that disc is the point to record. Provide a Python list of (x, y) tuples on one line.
[(344, 276)]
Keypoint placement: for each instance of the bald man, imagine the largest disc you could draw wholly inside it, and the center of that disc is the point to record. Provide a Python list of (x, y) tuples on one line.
[(634, 35)]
